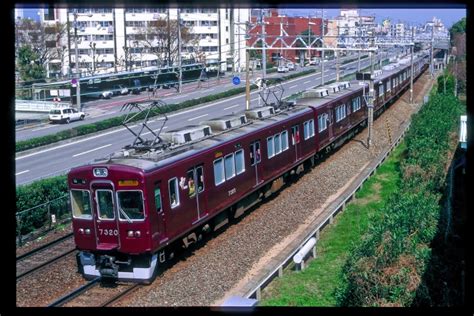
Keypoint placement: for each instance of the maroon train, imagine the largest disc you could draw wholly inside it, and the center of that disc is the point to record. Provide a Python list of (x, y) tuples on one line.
[(131, 210)]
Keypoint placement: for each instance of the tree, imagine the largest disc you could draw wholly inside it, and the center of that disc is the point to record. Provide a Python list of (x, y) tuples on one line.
[(29, 65), (160, 39)]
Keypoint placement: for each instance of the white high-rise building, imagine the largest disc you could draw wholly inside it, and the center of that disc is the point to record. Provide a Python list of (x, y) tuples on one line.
[(107, 37)]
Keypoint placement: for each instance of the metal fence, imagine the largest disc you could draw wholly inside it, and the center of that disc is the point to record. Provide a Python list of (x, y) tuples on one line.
[(38, 106), (37, 220)]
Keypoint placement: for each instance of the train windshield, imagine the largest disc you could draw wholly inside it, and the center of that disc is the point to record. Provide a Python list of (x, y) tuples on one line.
[(81, 204), (130, 205)]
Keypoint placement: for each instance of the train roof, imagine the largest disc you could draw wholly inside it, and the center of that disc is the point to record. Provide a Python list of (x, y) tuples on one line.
[(256, 119)]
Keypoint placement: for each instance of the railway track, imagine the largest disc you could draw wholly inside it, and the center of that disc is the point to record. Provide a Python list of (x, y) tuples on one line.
[(40, 257), (96, 293)]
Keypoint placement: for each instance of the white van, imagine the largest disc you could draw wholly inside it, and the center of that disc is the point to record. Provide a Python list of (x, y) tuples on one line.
[(65, 115)]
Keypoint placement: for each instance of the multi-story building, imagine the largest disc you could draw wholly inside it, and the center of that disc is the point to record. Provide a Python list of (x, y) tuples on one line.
[(111, 39)]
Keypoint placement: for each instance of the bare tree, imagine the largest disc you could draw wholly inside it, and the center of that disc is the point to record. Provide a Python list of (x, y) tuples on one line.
[(156, 38)]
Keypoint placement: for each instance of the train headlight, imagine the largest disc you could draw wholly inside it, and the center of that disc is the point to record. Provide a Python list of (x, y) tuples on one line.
[(137, 233), (130, 233), (81, 231), (88, 231)]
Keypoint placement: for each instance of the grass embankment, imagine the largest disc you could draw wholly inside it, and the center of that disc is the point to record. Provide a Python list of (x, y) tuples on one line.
[(316, 285)]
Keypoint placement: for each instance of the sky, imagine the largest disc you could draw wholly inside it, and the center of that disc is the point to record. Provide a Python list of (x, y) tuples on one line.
[(447, 15)]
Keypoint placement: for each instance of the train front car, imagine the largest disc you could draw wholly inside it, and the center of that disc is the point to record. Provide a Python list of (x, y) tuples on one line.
[(111, 222)]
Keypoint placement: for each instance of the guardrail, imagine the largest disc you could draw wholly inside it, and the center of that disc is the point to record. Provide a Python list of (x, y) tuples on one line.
[(332, 211), (38, 106)]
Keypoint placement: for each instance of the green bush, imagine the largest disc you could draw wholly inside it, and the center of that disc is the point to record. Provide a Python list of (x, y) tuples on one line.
[(386, 266)]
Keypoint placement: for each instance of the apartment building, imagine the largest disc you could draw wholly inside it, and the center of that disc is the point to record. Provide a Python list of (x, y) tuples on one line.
[(108, 39)]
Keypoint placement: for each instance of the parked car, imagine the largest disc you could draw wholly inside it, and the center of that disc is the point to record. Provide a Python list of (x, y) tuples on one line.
[(106, 94), (291, 66), (65, 115), (282, 69), (314, 62), (119, 90), (137, 86)]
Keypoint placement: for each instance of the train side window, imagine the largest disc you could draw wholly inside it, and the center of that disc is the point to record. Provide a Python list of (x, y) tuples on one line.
[(190, 183), (219, 176), (322, 122), (270, 147), (284, 140), (255, 147), (173, 191), (277, 142), (81, 204), (295, 135), (229, 166), (200, 179), (239, 161), (158, 207)]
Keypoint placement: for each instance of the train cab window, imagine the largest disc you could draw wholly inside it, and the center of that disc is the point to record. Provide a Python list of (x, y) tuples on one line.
[(322, 122), (158, 200), (81, 204), (284, 140), (270, 147), (105, 206), (173, 191), (239, 161), (130, 205), (229, 164), (219, 176)]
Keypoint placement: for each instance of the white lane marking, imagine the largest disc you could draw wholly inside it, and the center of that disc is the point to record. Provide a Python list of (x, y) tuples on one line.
[(72, 143), (155, 131), (38, 129), (256, 99), (197, 117), (233, 106), (86, 152), (293, 86), (307, 81), (21, 172)]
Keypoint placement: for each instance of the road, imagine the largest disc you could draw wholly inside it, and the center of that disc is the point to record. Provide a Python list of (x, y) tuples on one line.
[(103, 109), (62, 157)]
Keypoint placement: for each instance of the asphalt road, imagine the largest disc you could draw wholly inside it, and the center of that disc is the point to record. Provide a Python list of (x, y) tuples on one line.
[(62, 157)]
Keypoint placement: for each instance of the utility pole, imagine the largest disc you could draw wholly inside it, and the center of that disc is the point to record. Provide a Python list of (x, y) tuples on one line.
[(411, 58), (370, 105), (264, 53), (431, 54), (219, 40), (180, 79), (322, 52), (337, 66), (78, 85), (247, 80), (169, 39)]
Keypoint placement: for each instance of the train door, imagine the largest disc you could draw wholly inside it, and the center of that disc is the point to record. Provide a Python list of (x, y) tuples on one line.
[(256, 161), (295, 141), (158, 227), (195, 185), (105, 216), (330, 125)]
